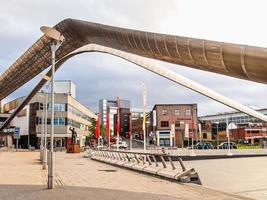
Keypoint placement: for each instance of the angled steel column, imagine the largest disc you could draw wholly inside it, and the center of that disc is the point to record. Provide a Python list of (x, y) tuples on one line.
[(153, 67)]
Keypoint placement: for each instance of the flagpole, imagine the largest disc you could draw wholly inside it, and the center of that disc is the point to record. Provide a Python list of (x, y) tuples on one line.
[(144, 112), (118, 122), (131, 134), (97, 131), (108, 130)]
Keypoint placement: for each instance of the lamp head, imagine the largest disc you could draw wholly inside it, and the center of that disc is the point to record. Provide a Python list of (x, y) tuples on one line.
[(52, 33)]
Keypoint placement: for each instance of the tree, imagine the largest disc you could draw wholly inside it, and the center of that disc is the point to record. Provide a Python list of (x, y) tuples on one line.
[(92, 129)]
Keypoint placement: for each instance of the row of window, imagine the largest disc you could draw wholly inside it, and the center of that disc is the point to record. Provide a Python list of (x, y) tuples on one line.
[(62, 107), (58, 121), (176, 112), (61, 121), (78, 113), (79, 125), (166, 124)]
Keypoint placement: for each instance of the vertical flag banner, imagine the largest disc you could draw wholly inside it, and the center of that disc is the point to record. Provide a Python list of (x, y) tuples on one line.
[(108, 129), (97, 130), (130, 127), (200, 132), (186, 131), (144, 105), (118, 116)]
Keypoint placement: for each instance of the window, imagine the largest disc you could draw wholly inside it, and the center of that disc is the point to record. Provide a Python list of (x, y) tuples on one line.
[(38, 120), (61, 121), (41, 106), (164, 123), (177, 112), (79, 113), (188, 112), (177, 123), (57, 107), (164, 112), (205, 136)]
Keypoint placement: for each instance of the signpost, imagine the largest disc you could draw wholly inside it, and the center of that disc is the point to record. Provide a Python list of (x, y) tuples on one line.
[(16, 136)]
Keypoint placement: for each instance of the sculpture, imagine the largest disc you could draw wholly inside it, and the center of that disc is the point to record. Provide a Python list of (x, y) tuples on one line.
[(73, 135)]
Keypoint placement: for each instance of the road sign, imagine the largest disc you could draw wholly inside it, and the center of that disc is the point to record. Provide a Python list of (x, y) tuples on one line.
[(16, 134)]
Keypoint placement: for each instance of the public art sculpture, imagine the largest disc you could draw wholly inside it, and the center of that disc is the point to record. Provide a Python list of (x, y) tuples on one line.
[(73, 135), (241, 61), (73, 147)]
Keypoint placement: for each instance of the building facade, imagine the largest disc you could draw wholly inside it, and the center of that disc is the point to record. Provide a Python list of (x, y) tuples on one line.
[(248, 128), (68, 113), (110, 106), (168, 122)]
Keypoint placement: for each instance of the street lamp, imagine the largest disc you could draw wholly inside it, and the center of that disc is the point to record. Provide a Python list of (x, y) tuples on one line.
[(45, 128), (57, 39)]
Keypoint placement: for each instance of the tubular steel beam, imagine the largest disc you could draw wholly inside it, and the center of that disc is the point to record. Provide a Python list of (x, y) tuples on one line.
[(148, 65), (241, 61)]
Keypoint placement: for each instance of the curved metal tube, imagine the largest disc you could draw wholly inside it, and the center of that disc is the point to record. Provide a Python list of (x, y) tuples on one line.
[(148, 65), (241, 61)]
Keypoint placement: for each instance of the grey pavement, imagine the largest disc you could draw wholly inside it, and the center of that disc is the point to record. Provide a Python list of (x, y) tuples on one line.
[(243, 176), (32, 192), (21, 177)]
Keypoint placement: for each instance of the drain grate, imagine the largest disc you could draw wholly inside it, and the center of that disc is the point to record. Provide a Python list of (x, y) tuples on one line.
[(79, 164), (107, 170)]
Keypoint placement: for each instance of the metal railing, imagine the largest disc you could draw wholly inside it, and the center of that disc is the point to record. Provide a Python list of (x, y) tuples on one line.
[(162, 165)]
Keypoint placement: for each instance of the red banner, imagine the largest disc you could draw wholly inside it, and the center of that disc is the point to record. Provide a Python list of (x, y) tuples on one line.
[(130, 127), (118, 116), (97, 129), (107, 129)]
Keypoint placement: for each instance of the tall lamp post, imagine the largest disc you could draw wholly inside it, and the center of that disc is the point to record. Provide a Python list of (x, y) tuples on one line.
[(45, 129), (57, 39)]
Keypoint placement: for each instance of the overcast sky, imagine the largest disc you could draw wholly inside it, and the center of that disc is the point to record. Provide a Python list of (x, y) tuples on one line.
[(103, 76)]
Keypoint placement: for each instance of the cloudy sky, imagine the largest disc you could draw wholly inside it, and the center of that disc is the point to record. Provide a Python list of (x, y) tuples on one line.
[(103, 76)]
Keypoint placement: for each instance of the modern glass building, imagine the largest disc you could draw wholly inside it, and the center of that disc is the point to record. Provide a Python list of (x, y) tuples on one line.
[(68, 113), (106, 105), (235, 117)]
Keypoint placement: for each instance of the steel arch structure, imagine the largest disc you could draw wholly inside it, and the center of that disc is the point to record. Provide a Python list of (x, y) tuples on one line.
[(148, 65), (241, 61)]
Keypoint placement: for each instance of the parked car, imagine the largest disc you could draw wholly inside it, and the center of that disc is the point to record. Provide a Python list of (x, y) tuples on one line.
[(121, 144), (204, 145), (224, 145)]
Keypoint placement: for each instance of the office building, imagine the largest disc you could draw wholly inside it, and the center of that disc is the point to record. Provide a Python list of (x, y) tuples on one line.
[(111, 107), (68, 113)]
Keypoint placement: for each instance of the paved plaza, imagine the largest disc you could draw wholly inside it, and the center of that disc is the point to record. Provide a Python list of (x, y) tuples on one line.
[(243, 176), (21, 177)]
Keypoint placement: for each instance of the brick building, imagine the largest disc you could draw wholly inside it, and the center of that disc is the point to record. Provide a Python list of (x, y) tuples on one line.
[(165, 117)]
